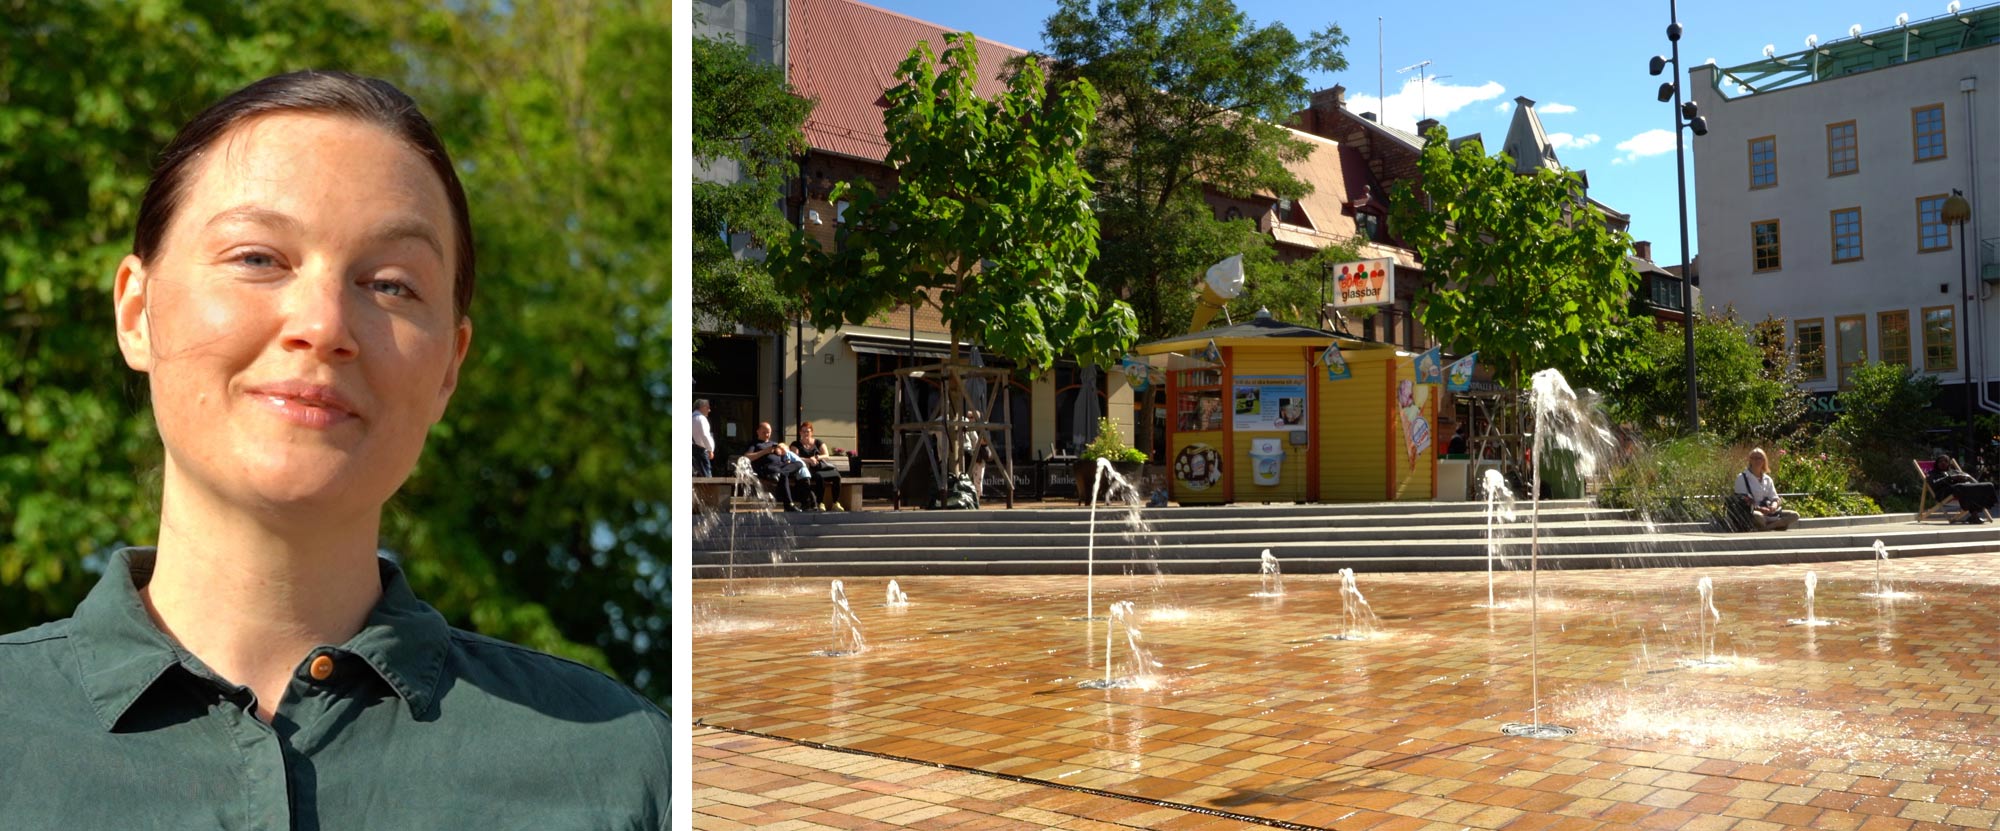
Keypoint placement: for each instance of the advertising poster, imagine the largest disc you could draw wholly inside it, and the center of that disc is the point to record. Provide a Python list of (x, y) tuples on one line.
[(1458, 377), (1270, 402), (1412, 402), (1198, 467)]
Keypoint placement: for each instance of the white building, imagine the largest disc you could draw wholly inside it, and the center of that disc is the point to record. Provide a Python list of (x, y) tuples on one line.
[(1820, 186)]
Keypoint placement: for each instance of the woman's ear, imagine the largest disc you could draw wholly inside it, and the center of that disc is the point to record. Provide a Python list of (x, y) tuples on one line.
[(128, 301), (461, 343)]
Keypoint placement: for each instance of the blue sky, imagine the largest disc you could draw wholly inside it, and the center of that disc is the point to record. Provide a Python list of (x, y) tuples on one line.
[(1583, 63)]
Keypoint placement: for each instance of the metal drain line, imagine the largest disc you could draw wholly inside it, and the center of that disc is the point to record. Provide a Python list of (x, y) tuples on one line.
[(1028, 780)]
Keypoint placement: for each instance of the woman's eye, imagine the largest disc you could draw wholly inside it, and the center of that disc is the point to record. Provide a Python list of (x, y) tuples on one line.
[(393, 288), (257, 259)]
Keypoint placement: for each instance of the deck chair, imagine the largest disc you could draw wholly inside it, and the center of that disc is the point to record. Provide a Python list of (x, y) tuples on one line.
[(1937, 505)]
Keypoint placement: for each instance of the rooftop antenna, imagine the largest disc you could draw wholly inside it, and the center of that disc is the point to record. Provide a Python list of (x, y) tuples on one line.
[(1381, 87), (1812, 43), (1903, 23), (1423, 97)]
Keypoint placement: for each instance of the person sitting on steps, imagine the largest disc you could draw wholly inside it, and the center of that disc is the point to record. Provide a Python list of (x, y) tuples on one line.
[(1759, 495), (778, 463)]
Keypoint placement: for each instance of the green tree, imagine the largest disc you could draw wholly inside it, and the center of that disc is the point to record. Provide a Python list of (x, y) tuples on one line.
[(1885, 419), (990, 219), (1744, 396), (1519, 267), (746, 119), (1194, 93), (539, 511)]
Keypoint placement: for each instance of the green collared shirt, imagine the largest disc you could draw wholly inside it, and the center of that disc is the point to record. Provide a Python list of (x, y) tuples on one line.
[(106, 722)]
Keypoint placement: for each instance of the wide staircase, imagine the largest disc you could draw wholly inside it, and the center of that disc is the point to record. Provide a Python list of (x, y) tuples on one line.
[(1390, 536)]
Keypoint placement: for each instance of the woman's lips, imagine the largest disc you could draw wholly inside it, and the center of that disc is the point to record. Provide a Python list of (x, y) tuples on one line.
[(317, 408)]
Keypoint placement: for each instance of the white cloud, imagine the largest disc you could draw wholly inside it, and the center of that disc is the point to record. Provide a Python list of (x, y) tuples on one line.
[(1553, 108), (1403, 108), (1650, 143), (1504, 107), (1565, 141)]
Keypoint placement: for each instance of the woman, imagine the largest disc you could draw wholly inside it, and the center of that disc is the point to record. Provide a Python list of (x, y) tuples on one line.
[(297, 297), (1974, 497), (819, 462)]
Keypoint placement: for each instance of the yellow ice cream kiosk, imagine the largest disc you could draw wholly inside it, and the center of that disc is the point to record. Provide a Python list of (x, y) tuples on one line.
[(1265, 411)]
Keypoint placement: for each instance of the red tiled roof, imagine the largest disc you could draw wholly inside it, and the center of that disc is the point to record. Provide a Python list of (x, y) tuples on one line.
[(844, 54)]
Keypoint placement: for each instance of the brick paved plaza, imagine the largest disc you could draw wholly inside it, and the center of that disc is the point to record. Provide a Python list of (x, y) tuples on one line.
[(965, 710)]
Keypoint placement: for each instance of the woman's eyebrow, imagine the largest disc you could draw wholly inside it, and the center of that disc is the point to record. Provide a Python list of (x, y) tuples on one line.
[(257, 215), (395, 229), (408, 227)]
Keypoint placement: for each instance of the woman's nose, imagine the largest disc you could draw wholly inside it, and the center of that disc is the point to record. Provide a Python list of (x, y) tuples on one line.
[(318, 320)]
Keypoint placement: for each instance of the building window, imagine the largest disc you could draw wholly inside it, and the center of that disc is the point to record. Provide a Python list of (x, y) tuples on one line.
[(1843, 150), (1764, 245), (1893, 329), (1666, 292), (1847, 235), (1850, 338), (1940, 340), (1932, 233), (1927, 128), (1764, 162), (1809, 338)]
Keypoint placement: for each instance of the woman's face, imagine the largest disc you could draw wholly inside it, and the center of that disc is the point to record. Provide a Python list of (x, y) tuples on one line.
[(297, 323), (805, 435)]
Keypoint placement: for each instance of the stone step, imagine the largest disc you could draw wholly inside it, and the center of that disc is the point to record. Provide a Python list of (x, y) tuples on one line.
[(1814, 550), (1036, 526), (1252, 511), (1636, 545)]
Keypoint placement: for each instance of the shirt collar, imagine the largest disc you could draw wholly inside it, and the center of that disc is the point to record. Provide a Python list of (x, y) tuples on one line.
[(122, 654)]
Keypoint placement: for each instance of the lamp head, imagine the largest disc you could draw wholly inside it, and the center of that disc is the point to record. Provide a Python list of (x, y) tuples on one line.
[(1674, 31), (1699, 125), (1689, 110), (1812, 41), (1656, 66), (1666, 91), (1956, 209)]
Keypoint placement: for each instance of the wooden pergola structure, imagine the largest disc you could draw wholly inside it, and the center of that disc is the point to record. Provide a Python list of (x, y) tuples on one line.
[(945, 431)]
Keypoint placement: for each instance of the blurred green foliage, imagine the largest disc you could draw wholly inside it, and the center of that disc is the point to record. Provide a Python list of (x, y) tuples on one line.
[(538, 512)]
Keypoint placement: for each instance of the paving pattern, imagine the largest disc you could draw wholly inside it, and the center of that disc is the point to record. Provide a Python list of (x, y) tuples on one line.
[(966, 706)]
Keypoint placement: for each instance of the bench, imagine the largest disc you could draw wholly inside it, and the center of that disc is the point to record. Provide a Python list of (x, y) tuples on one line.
[(1937, 505), (716, 491)]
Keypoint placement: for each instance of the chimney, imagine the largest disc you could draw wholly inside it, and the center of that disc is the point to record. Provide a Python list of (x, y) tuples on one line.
[(1643, 249), (1334, 98), (1368, 116), (1524, 101), (1424, 126)]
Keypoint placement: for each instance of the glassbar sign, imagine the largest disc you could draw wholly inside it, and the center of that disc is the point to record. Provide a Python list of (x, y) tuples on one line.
[(1364, 283)]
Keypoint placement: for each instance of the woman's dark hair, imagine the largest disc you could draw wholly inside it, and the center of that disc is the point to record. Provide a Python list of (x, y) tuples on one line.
[(368, 100)]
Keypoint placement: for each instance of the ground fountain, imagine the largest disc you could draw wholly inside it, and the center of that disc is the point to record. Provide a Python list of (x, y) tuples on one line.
[(1138, 665), (1499, 511), (1885, 589), (1812, 584), (1706, 617), (1273, 580), (1357, 619), (846, 635), (897, 599), (1567, 426)]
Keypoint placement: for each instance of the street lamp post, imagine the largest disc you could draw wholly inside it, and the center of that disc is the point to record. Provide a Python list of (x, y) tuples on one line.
[(1685, 116), (1957, 210)]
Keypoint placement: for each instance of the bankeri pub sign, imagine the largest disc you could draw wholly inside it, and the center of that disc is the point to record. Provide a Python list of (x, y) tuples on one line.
[(1364, 283)]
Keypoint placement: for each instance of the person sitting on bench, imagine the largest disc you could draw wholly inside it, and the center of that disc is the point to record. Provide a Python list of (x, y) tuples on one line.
[(817, 456), (1974, 497), (1757, 493), (778, 463)]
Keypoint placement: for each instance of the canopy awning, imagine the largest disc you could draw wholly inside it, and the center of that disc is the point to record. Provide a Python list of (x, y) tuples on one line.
[(1257, 331)]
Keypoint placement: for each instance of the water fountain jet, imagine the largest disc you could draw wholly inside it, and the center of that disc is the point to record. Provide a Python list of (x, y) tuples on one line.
[(847, 640), (1273, 579)]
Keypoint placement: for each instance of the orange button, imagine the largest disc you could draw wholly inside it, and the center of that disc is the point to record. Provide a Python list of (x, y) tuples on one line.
[(322, 667)]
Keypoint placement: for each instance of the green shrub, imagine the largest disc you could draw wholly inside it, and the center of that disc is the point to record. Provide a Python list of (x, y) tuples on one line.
[(1687, 479), (1885, 421), (1109, 444)]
